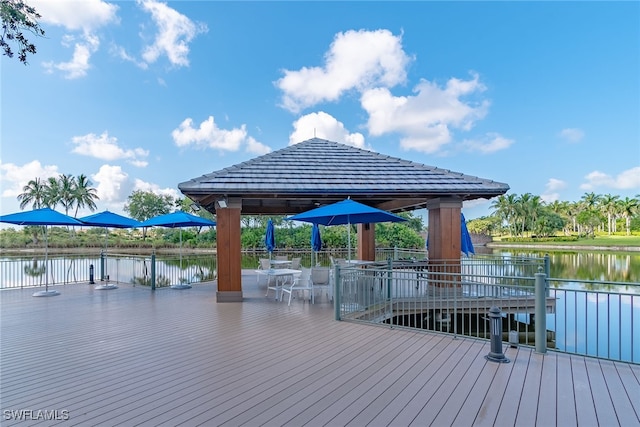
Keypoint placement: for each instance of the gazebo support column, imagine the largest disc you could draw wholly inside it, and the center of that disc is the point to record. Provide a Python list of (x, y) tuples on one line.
[(229, 252), (444, 241), (367, 242)]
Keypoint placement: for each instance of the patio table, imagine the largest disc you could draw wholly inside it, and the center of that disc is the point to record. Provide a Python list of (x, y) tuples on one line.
[(280, 274)]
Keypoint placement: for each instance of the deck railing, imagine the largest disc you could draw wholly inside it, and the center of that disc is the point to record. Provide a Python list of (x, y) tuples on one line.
[(146, 270), (593, 318)]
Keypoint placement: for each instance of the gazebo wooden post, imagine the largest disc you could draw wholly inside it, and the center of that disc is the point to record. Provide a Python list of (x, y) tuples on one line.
[(444, 241), (229, 252), (367, 242)]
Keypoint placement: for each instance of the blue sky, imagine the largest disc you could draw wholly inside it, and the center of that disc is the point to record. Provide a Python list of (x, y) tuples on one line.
[(143, 95)]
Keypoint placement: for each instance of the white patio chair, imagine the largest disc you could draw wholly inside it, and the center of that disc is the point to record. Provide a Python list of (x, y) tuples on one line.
[(270, 281), (301, 282), (320, 280), (295, 263)]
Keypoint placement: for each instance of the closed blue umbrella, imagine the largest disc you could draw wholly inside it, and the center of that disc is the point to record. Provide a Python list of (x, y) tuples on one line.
[(270, 238), (44, 216), (466, 245), (316, 240)]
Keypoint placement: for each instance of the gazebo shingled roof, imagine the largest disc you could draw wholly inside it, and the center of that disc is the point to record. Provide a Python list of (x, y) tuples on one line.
[(316, 172)]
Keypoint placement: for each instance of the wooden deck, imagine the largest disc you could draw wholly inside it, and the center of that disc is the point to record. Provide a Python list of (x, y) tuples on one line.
[(176, 357)]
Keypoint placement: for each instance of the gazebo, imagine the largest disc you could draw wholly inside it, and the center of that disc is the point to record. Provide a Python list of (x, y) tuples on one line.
[(316, 172)]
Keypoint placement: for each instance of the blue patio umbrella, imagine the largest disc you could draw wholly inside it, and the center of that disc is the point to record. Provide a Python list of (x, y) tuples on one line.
[(178, 219), (316, 240), (270, 238), (108, 220), (346, 212), (466, 245), (45, 217)]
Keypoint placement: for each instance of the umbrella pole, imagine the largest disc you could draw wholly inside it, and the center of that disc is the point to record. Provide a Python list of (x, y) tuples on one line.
[(180, 248), (46, 260), (349, 238)]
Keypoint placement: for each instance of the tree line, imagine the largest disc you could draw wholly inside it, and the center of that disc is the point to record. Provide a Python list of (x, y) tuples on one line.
[(515, 215), (528, 215)]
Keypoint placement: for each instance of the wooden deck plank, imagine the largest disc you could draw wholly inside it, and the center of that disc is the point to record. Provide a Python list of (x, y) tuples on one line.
[(508, 411), (622, 402), (631, 383), (585, 407), (135, 357), (564, 383), (527, 412), (329, 389), (459, 395), (468, 412), (439, 389), (491, 402), (605, 411), (547, 395)]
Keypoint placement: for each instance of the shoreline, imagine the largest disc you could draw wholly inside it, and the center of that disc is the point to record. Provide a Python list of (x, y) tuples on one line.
[(541, 246)]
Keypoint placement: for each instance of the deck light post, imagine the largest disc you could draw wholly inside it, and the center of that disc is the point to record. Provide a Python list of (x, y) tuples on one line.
[(495, 330)]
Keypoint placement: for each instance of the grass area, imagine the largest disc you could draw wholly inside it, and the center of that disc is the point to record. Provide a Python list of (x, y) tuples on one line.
[(600, 240)]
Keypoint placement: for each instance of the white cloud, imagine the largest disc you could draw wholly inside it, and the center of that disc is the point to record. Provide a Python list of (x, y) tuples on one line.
[(112, 185), (14, 177), (325, 126), (175, 32), (255, 147), (355, 60), (426, 119), (86, 15), (626, 180), (140, 185), (551, 189), (209, 135), (82, 19), (106, 147), (491, 143), (572, 134)]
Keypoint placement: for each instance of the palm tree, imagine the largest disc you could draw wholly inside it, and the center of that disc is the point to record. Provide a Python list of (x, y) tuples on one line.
[(607, 204), (504, 208), (629, 207), (34, 192), (52, 193), (84, 194), (66, 185)]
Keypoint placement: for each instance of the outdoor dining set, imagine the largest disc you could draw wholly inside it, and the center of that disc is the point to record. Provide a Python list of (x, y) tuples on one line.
[(287, 276)]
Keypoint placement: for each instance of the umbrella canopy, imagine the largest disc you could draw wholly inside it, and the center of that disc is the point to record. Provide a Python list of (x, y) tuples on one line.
[(110, 219), (177, 219), (270, 237), (44, 216), (466, 245), (346, 212)]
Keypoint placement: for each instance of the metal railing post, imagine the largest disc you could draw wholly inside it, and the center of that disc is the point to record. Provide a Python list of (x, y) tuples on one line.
[(153, 271), (337, 297), (541, 313)]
